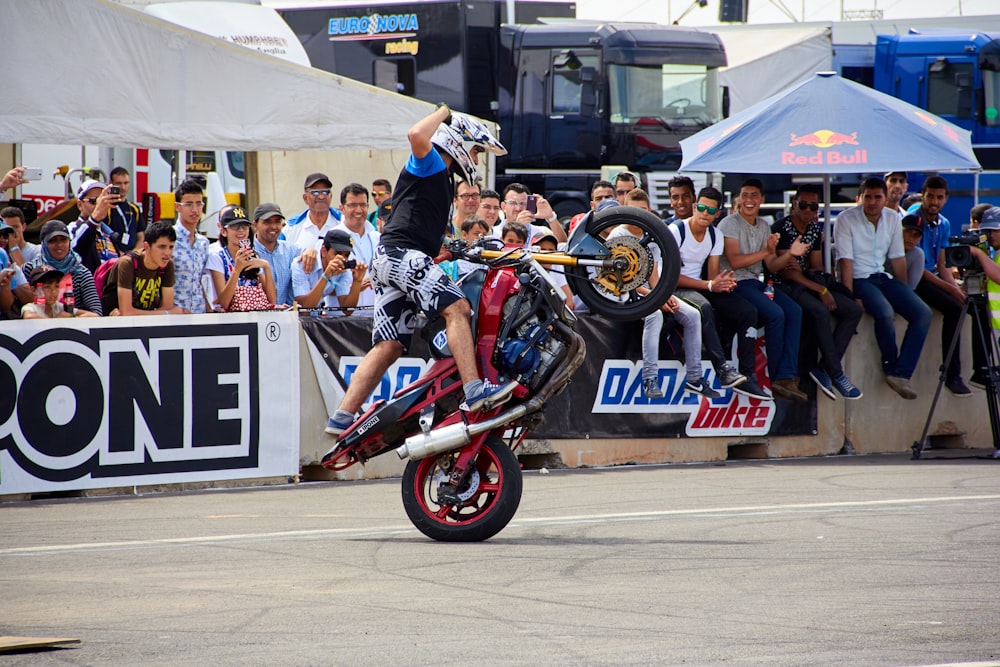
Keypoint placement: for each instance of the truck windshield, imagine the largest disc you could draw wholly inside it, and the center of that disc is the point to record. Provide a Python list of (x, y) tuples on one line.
[(991, 95), (668, 92)]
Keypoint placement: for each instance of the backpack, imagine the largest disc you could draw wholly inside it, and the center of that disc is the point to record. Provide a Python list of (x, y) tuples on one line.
[(101, 274)]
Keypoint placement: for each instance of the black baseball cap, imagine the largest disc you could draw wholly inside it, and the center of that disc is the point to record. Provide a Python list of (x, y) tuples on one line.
[(232, 215), (339, 240), (267, 210), (913, 222), (313, 179), (44, 273)]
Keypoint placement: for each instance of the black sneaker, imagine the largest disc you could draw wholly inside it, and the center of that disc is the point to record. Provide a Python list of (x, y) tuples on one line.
[(957, 387), (980, 379), (699, 386), (753, 390)]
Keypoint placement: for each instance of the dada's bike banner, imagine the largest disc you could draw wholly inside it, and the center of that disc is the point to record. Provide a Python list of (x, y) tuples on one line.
[(95, 403), (603, 400)]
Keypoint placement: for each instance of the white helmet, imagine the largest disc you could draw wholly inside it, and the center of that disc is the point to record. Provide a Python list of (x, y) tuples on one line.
[(459, 138)]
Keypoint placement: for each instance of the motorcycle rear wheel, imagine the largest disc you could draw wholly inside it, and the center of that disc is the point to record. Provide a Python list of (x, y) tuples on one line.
[(581, 279), (491, 495)]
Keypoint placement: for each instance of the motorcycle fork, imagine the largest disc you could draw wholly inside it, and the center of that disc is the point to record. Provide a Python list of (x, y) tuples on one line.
[(466, 458)]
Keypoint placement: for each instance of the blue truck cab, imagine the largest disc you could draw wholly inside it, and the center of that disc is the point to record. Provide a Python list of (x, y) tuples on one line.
[(955, 75)]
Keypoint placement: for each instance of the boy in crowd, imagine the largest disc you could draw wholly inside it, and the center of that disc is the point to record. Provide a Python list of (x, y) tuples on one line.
[(748, 247), (820, 297), (45, 280), (683, 313), (705, 286), (142, 283)]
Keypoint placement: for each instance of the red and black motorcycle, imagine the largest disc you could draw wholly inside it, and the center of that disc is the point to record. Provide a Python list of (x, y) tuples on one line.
[(463, 481)]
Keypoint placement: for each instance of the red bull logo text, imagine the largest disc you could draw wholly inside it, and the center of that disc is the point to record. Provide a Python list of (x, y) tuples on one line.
[(825, 139)]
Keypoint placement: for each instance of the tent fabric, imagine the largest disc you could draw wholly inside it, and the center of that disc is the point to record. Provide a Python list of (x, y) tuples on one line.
[(93, 72), (765, 61), (830, 125)]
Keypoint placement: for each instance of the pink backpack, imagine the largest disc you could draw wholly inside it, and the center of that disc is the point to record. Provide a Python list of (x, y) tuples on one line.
[(101, 274)]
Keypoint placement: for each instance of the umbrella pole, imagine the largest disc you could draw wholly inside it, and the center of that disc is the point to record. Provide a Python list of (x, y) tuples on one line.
[(827, 226)]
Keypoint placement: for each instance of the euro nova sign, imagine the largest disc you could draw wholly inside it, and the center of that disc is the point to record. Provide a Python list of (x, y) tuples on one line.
[(828, 143), (374, 26)]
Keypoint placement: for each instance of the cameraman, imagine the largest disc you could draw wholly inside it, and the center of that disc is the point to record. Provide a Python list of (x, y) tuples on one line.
[(991, 266)]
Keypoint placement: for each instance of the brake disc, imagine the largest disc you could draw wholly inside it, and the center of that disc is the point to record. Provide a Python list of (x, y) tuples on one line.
[(469, 487), (638, 265)]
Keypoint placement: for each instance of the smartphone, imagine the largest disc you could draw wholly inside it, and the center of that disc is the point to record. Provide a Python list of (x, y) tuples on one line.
[(114, 190), (249, 273), (532, 204), (32, 173)]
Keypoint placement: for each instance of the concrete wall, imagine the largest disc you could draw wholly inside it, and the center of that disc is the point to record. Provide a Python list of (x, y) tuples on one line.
[(880, 422)]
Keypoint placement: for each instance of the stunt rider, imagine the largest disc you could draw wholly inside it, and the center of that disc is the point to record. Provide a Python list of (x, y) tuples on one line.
[(403, 273)]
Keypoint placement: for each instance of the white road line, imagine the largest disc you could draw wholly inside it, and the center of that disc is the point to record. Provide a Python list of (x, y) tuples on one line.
[(550, 520)]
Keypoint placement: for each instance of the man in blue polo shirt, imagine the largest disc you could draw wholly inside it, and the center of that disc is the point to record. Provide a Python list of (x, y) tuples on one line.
[(937, 287)]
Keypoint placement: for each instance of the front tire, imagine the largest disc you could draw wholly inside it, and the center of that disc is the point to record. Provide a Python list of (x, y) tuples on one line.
[(490, 494), (586, 281)]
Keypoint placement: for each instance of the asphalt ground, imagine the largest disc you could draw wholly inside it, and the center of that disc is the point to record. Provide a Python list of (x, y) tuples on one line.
[(874, 560)]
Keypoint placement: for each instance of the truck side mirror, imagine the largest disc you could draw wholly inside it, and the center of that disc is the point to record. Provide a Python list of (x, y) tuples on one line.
[(588, 92)]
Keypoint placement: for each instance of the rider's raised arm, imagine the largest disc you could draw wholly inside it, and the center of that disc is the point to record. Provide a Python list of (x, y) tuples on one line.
[(422, 131)]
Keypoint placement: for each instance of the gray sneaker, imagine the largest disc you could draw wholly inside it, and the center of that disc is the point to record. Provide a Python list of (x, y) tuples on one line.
[(729, 377), (651, 388), (901, 386)]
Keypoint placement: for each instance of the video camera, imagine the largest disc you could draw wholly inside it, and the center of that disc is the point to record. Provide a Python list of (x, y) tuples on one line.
[(959, 255)]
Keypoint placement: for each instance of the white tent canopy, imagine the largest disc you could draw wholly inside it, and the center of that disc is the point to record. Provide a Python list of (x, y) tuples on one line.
[(766, 60), (94, 72)]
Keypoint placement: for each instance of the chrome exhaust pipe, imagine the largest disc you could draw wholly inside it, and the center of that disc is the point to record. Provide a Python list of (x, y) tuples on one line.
[(446, 438)]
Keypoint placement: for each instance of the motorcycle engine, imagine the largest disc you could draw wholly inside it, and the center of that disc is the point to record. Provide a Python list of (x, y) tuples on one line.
[(531, 351)]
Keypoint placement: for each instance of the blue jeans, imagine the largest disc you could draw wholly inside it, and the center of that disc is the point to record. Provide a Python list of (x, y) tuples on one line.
[(782, 319), (883, 297)]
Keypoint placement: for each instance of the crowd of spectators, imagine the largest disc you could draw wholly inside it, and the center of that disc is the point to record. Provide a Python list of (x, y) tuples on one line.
[(740, 271)]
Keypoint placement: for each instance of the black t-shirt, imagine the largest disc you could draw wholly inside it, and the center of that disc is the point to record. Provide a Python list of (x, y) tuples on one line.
[(421, 203)]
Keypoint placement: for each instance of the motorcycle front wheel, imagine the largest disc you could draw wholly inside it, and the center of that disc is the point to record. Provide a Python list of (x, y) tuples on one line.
[(597, 288), (489, 495)]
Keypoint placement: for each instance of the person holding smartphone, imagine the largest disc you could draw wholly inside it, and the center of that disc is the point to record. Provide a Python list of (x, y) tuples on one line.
[(93, 239), (125, 217), (519, 205), (242, 280)]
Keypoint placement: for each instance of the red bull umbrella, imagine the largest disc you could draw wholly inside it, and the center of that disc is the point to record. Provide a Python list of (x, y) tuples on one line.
[(830, 125)]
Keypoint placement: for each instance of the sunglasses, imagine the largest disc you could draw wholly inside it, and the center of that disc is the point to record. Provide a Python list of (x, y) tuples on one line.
[(379, 193), (812, 206), (712, 210), (90, 200), (317, 193)]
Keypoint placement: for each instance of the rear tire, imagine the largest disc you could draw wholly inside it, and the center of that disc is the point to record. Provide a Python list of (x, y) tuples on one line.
[(491, 494), (635, 306)]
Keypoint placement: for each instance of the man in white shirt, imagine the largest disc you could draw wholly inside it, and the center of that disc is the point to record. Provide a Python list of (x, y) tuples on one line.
[(354, 207), (308, 228), (866, 237)]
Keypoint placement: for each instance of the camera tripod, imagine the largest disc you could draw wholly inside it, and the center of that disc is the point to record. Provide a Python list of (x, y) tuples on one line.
[(977, 304)]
